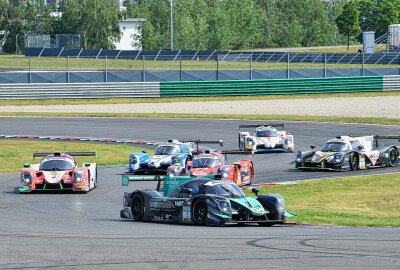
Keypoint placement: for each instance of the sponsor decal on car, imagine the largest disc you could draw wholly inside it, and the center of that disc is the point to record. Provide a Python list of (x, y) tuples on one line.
[(186, 214), (161, 205)]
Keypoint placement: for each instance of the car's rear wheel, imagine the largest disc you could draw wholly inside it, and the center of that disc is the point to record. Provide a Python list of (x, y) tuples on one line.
[(393, 157), (241, 143), (137, 207), (353, 160), (199, 213)]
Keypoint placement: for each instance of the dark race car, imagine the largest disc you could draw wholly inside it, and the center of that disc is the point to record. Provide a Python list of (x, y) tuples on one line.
[(203, 201), (350, 153)]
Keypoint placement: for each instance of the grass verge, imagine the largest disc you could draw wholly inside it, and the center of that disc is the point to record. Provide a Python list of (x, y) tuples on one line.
[(336, 119), (16, 152), (372, 201), (185, 99)]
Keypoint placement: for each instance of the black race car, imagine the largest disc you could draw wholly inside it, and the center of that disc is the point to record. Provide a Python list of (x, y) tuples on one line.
[(203, 201), (351, 153)]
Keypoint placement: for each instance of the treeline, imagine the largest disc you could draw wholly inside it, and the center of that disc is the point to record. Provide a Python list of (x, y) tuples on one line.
[(204, 24)]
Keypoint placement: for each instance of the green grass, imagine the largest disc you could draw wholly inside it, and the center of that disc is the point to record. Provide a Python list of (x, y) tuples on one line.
[(359, 120), (14, 153), (372, 201), (185, 99)]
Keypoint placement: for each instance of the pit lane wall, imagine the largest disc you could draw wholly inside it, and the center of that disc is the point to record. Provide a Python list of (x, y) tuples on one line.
[(280, 86)]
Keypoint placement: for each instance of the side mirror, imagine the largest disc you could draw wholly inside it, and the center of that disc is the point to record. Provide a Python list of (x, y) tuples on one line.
[(26, 165), (360, 147), (255, 190), (312, 147), (86, 164), (186, 192), (143, 151)]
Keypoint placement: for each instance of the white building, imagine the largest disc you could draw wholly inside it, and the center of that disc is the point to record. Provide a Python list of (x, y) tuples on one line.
[(131, 34)]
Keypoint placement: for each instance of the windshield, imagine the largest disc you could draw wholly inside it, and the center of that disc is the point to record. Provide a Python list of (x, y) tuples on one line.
[(334, 147), (56, 165), (205, 163), (224, 189), (266, 133), (166, 150)]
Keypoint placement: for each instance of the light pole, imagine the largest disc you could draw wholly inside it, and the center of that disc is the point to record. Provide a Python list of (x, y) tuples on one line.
[(171, 2)]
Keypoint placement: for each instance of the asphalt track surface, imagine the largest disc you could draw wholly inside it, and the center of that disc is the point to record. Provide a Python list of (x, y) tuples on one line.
[(84, 231)]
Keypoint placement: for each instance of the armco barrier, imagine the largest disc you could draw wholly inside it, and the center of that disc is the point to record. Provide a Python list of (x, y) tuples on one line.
[(391, 83), (272, 87), (79, 90)]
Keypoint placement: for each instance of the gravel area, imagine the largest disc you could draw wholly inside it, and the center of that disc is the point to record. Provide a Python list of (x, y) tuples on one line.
[(382, 106)]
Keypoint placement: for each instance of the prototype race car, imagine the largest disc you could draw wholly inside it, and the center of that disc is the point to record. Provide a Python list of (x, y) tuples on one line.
[(240, 172), (166, 154), (350, 153), (59, 171), (203, 201), (266, 138)]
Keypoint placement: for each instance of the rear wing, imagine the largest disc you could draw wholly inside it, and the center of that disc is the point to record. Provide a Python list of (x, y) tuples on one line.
[(261, 125), (169, 183), (198, 142), (237, 152), (81, 154), (376, 137)]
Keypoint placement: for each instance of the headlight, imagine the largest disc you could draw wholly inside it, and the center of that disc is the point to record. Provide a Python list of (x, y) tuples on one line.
[(337, 158), (225, 175), (224, 205), (78, 177), (314, 158), (27, 178), (133, 160)]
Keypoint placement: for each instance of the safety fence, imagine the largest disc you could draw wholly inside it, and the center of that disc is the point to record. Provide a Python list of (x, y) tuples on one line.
[(386, 58)]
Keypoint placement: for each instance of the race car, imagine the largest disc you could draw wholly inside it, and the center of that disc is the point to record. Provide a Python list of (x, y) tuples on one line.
[(350, 153), (166, 154), (240, 172), (266, 139), (59, 171), (203, 201)]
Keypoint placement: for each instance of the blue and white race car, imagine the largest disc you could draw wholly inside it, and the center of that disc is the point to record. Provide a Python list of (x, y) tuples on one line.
[(172, 153)]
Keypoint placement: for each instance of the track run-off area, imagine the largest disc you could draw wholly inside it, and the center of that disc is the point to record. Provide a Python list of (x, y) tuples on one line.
[(84, 231)]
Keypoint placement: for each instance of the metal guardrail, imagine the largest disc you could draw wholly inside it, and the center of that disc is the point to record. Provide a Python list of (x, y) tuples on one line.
[(391, 83), (79, 90)]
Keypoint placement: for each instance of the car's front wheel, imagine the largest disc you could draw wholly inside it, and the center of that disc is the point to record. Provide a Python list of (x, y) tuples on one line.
[(199, 213), (137, 207), (353, 160), (393, 157)]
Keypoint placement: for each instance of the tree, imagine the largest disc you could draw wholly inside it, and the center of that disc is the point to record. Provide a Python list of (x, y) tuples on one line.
[(95, 20), (348, 21)]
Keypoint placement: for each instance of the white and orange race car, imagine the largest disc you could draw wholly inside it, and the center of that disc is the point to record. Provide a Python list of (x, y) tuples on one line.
[(266, 139), (59, 171)]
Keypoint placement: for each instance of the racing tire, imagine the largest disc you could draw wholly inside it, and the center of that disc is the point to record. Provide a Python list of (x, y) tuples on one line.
[(393, 159), (241, 144), (200, 213), (353, 161), (95, 179), (137, 207)]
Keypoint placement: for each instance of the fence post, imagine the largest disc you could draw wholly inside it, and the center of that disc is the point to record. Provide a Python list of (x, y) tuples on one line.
[(68, 69), (106, 67), (288, 66), (30, 76), (362, 64), (251, 66), (217, 67), (180, 68), (325, 65), (143, 70)]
